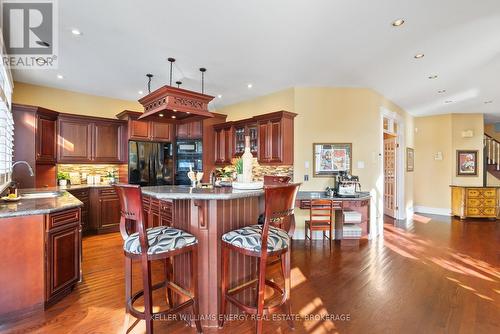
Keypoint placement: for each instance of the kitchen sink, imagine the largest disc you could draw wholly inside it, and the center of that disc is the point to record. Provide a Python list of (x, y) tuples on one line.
[(40, 194)]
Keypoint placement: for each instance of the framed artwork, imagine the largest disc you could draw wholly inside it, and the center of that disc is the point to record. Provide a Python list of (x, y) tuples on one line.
[(331, 158), (410, 159), (467, 163)]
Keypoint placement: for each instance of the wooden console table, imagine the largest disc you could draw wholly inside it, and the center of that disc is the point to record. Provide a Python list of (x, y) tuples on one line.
[(475, 202)]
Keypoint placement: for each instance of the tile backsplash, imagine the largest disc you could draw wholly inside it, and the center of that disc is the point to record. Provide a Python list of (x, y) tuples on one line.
[(91, 169), (259, 171)]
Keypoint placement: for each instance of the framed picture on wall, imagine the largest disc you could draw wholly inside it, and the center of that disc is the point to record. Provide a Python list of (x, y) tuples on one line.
[(410, 159), (331, 158), (467, 163)]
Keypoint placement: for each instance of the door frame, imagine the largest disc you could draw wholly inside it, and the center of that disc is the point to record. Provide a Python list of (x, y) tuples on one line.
[(400, 158)]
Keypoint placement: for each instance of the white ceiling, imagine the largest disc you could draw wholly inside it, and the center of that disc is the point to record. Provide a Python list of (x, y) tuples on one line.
[(284, 43)]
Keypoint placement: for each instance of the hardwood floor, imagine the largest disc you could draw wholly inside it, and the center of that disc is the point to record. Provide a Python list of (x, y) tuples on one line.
[(435, 275)]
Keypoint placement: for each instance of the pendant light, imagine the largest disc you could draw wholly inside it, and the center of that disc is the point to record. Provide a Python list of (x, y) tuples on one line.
[(150, 76), (179, 83), (203, 70), (171, 60)]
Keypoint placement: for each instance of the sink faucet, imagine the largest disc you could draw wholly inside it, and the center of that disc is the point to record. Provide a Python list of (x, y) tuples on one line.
[(24, 163)]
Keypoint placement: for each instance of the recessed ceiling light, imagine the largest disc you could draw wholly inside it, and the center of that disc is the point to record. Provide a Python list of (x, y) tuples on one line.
[(161, 115), (441, 91), (488, 102), (398, 22), (140, 92), (60, 76), (76, 32), (249, 85), (419, 56), (175, 110), (219, 96), (448, 101), (434, 76), (173, 116)]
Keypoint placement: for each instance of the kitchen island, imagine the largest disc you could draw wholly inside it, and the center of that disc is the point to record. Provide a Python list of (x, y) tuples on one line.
[(207, 213)]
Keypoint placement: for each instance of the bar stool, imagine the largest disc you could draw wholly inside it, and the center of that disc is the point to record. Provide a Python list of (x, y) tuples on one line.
[(279, 205), (320, 219), (146, 245)]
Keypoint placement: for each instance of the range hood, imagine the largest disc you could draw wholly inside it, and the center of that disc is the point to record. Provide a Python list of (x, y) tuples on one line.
[(175, 104)]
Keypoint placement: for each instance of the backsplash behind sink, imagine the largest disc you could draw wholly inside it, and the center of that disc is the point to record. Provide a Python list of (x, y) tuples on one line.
[(93, 169)]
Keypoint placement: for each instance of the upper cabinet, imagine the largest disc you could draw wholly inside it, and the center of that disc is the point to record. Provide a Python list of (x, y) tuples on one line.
[(271, 138), (90, 140), (147, 130), (45, 141), (191, 130)]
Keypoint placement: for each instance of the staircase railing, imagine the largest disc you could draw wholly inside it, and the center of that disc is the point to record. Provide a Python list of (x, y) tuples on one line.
[(492, 148)]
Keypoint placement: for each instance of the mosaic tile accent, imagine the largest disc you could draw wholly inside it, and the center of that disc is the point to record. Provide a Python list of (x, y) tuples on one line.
[(259, 171), (90, 169)]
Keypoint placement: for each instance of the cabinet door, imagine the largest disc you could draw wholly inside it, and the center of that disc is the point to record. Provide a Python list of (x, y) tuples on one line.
[(182, 131), (161, 131), (239, 141), (139, 130), (74, 141), (45, 140), (219, 146), (63, 259), (107, 142), (195, 130), (264, 142), (228, 145), (84, 197), (108, 211), (275, 142)]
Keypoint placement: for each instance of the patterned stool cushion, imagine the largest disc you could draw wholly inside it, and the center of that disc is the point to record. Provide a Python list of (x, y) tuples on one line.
[(249, 238), (160, 239)]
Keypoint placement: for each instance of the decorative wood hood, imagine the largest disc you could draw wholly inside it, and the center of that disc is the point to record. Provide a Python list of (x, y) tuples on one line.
[(175, 103)]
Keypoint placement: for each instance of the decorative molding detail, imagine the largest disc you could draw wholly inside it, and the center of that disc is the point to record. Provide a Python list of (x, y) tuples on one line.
[(432, 211), (189, 103)]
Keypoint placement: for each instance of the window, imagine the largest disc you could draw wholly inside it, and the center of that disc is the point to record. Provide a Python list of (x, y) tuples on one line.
[(6, 125)]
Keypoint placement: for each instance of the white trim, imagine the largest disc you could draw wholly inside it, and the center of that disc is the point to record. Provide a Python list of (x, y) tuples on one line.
[(432, 211)]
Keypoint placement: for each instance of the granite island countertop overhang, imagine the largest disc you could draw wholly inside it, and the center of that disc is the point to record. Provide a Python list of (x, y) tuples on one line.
[(186, 192), (38, 206)]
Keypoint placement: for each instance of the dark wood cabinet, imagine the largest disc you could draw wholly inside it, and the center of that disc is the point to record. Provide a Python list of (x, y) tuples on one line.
[(46, 143), (63, 253), (104, 209), (223, 136), (107, 142), (90, 140), (241, 130), (275, 138), (158, 213), (35, 134), (146, 130), (84, 196), (191, 130)]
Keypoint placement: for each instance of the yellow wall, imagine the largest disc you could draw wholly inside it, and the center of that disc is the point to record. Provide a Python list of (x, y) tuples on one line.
[(443, 133), (71, 102), (341, 115)]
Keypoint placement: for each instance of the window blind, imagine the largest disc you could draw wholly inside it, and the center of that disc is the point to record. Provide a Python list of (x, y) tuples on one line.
[(6, 144)]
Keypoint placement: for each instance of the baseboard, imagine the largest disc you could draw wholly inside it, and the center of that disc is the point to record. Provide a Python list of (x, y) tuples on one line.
[(432, 211)]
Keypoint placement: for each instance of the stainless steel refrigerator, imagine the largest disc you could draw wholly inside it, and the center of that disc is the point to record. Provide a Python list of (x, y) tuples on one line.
[(150, 163)]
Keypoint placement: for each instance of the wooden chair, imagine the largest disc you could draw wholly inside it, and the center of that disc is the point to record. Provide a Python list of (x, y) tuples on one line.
[(146, 245), (320, 219), (279, 205), (275, 180)]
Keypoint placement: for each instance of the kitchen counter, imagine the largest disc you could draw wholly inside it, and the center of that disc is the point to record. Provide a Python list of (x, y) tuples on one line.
[(38, 206), (186, 192), (308, 195)]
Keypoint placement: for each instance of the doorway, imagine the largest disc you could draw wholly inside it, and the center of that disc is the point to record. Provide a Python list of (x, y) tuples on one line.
[(390, 180)]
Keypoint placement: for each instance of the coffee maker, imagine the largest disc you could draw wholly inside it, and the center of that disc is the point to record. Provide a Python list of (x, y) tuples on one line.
[(347, 185)]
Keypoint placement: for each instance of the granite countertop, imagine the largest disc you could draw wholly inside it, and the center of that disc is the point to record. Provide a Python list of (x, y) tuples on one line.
[(308, 195), (38, 206), (186, 192)]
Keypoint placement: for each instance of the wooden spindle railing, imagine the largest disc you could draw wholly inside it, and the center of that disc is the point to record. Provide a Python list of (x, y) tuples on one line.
[(492, 151)]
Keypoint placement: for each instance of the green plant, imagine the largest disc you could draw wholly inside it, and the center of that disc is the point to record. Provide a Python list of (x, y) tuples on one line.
[(110, 173), (238, 166), (62, 176)]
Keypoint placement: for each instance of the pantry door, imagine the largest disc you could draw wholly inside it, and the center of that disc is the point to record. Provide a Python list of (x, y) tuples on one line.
[(390, 186)]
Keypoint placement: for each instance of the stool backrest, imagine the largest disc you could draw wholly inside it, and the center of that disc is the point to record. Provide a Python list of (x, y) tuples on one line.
[(321, 212), (275, 180), (131, 209), (279, 206)]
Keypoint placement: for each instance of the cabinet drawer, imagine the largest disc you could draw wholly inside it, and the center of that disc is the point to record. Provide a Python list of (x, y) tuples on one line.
[(107, 192), (63, 218), (489, 202), (473, 193), (489, 193), (337, 205), (473, 211), (474, 202), (489, 212)]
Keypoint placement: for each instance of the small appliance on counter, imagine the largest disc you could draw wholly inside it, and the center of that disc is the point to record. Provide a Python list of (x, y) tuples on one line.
[(347, 185)]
